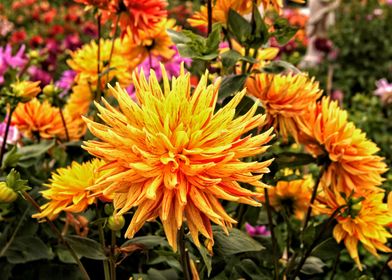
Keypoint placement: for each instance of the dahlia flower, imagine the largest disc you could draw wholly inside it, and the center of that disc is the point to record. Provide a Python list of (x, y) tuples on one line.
[(79, 100), (25, 90), (284, 97), (359, 219), (173, 157), (354, 166), (36, 118), (7, 60), (68, 189)]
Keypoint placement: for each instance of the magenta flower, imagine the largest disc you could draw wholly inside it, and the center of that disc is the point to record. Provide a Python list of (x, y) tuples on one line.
[(66, 81), (7, 60), (37, 74), (257, 230)]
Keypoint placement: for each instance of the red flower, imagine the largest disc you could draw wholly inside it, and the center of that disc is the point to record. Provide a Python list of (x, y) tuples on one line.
[(18, 36), (36, 41)]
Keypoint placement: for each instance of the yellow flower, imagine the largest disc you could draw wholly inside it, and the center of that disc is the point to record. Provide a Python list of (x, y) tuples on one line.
[(84, 62), (292, 196), (34, 118), (7, 195), (68, 189), (79, 101), (174, 157), (284, 97), (26, 90), (324, 129), (362, 221)]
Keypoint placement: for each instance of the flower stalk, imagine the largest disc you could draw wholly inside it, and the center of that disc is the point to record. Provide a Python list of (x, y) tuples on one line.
[(7, 128)]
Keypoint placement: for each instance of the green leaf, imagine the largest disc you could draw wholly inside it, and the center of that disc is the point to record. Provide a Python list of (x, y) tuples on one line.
[(207, 259), (308, 235), (239, 27), (167, 274), (236, 242), (86, 247), (14, 182), (36, 150), (231, 85), (277, 67), (148, 241), (11, 158), (260, 34), (312, 266), (230, 58), (26, 249), (64, 255), (327, 249), (249, 270), (213, 40), (283, 31), (290, 159)]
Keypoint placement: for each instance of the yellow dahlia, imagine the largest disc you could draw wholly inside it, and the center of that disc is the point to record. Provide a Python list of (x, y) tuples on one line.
[(26, 90), (173, 157), (84, 62), (324, 129), (36, 118), (359, 219), (79, 100), (293, 197), (284, 97), (68, 189)]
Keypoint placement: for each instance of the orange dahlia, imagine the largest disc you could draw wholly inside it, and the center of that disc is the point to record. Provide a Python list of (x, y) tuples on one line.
[(284, 98), (68, 189), (36, 118), (292, 197), (26, 90), (325, 130), (359, 219), (136, 15), (173, 157), (79, 100)]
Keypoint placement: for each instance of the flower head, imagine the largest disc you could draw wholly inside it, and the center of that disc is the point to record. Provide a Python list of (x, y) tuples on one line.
[(384, 91), (174, 157), (284, 97), (66, 81), (36, 118), (359, 219), (325, 130), (26, 90), (79, 100), (84, 62), (293, 197), (68, 189), (13, 134), (137, 15), (7, 60)]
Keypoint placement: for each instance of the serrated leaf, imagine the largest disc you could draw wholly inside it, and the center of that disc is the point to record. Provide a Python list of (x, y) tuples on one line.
[(148, 241), (26, 249), (86, 247), (236, 242), (239, 27), (231, 85)]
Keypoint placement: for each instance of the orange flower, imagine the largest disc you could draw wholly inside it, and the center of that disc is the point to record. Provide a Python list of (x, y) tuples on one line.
[(292, 196), (360, 219), (41, 118), (284, 97), (174, 157), (354, 165), (79, 101), (68, 189), (100, 4), (137, 15)]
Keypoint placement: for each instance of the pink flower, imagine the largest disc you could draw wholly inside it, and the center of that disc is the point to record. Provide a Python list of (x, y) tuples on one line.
[(66, 81), (13, 134), (257, 230), (7, 60), (384, 91)]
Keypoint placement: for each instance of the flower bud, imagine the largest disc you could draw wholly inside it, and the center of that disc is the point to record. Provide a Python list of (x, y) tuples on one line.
[(49, 90), (7, 195), (116, 223)]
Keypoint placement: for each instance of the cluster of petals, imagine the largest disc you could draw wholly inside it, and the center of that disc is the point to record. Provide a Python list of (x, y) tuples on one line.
[(172, 156), (354, 165), (68, 191), (8, 60), (285, 98), (365, 221), (41, 119)]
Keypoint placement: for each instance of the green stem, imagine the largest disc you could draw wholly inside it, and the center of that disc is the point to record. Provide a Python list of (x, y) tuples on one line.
[(7, 128), (112, 47), (98, 94), (53, 227), (64, 124), (335, 265), (209, 14), (273, 238), (112, 258), (244, 63), (184, 256), (5, 248), (101, 234)]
